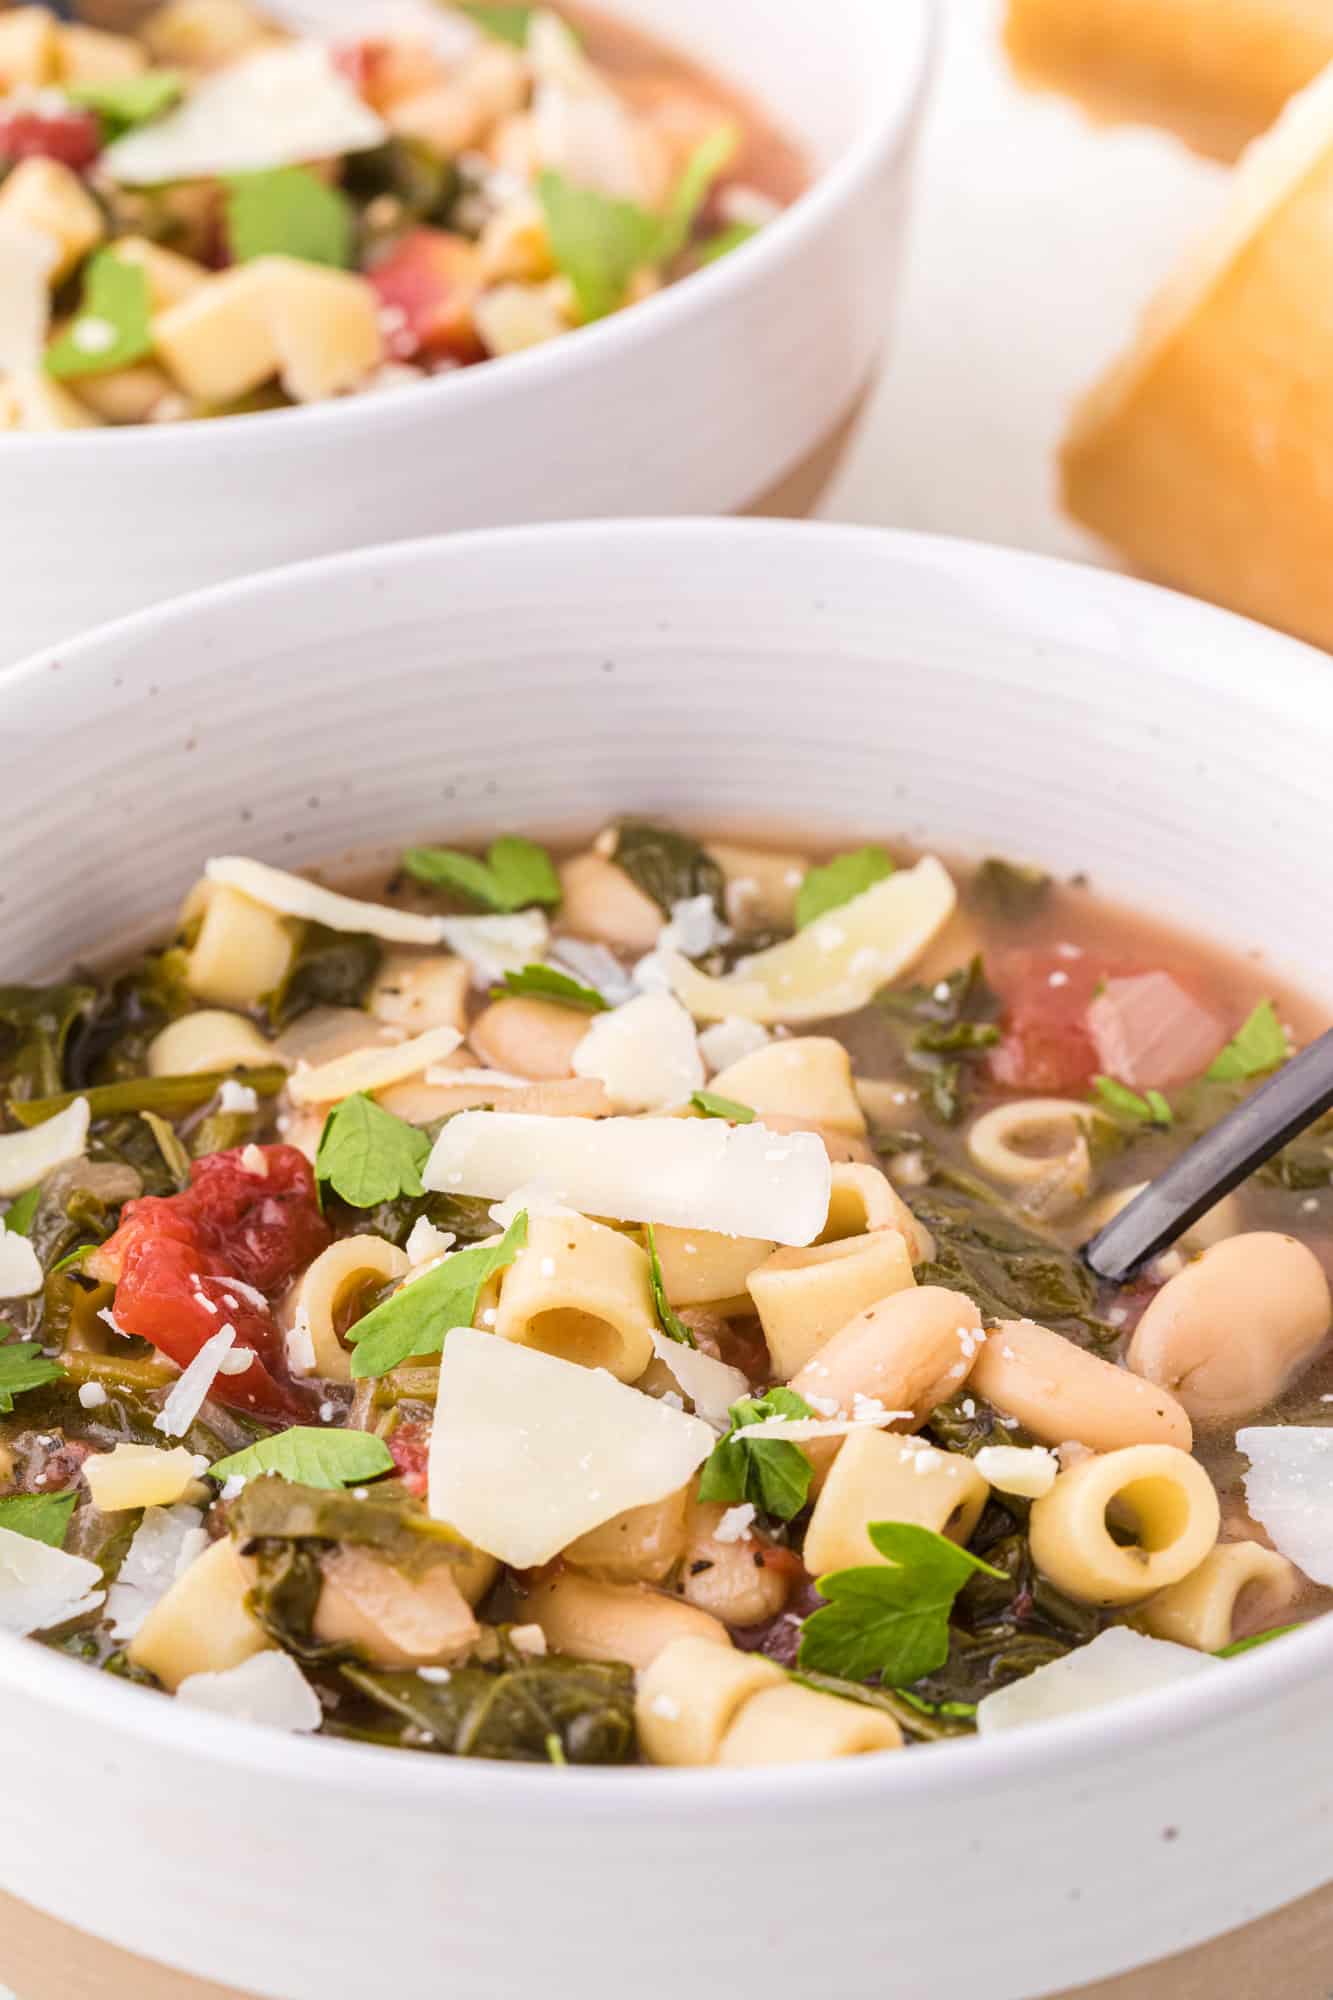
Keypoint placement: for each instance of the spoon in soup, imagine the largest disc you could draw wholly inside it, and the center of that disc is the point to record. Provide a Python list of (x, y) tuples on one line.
[(1300, 1092)]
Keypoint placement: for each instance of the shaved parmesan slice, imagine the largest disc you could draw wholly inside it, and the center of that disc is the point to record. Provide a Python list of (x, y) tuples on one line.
[(486, 1079), (493, 946), (277, 108), (646, 1053), (141, 1475), (269, 1689), (575, 1445), (372, 1069), (167, 1541), (28, 1157), (41, 1587), (27, 258), (698, 1173), (20, 1272), (293, 896), (711, 1385), (729, 1041), (188, 1396), (836, 964), (1289, 1491), (1011, 1469), (1117, 1663), (426, 1243)]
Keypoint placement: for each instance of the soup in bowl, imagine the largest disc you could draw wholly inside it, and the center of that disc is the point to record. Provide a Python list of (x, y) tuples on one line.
[(563, 1252)]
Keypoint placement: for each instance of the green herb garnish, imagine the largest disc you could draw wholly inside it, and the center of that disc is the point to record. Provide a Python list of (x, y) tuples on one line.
[(1259, 1045), (19, 1214), (543, 982), (1239, 1646), (599, 243), (112, 326), (289, 212), (367, 1156), (418, 1316), (837, 881), (122, 102), (506, 24), (715, 248), (1150, 1109), (1009, 889), (310, 1456), (174, 1156), (691, 190), (890, 1619), (713, 1105), (515, 874), (671, 1324), (23, 1366), (42, 1517), (769, 1472)]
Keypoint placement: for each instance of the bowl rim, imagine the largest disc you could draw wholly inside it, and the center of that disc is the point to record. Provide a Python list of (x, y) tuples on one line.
[(1297, 678), (882, 134)]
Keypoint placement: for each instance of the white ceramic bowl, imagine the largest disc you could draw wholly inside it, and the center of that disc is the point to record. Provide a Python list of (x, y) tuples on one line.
[(828, 679), (699, 401)]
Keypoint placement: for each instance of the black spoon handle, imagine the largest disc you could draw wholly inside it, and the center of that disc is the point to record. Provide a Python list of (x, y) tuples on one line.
[(1301, 1091)]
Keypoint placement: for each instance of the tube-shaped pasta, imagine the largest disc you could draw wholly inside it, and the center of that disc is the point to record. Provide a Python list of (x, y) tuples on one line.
[(1229, 1331), (591, 1620), (839, 1145), (598, 900), (202, 1625), (242, 951), (762, 884), (862, 1199), (1039, 1146), (210, 1039), (729, 1578), (909, 1352), (417, 990), (582, 1292), (807, 1077), (1158, 1493), (1062, 1394), (879, 1476), (534, 1038), (1235, 1580), (802, 1297), (639, 1546), (322, 1304), (796, 1725), (391, 1619), (690, 1696), (701, 1267)]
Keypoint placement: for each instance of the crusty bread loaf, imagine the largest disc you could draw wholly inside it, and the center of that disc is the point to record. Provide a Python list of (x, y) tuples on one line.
[(1206, 455), (1215, 72)]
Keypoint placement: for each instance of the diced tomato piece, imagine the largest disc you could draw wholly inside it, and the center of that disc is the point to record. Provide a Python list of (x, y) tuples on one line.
[(427, 286), (187, 1265), (1046, 1044), (72, 136), (1150, 1032), (409, 1447)]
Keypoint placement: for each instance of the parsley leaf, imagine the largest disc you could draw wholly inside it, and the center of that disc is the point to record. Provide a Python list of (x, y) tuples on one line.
[(418, 1316), (288, 212), (713, 1105), (598, 243), (1150, 1109), (19, 1214), (772, 1474), (890, 1619), (543, 982), (1258, 1045), (367, 1156), (714, 248), (1237, 1646), (691, 190), (847, 875), (310, 1456), (671, 1324), (42, 1517), (506, 24), (111, 327), (515, 874), (122, 102), (1010, 890), (22, 1366)]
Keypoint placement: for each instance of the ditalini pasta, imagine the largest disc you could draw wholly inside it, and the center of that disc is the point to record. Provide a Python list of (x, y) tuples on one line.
[(212, 215), (626, 1305)]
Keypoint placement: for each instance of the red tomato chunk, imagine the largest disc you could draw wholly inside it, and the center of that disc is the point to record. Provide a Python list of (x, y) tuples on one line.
[(1046, 1043), (409, 1447), (72, 136), (187, 1265)]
